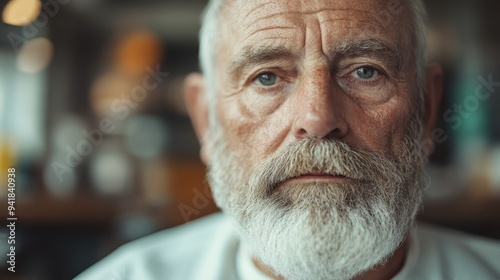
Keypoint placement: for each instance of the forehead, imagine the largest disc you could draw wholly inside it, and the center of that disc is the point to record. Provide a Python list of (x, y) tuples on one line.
[(332, 22)]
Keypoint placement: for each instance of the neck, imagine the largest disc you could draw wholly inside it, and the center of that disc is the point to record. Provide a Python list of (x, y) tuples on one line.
[(387, 270)]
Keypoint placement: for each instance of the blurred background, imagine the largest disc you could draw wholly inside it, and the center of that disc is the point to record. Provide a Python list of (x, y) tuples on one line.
[(92, 118)]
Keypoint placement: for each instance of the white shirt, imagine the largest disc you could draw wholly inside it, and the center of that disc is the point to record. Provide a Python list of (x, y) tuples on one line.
[(209, 249)]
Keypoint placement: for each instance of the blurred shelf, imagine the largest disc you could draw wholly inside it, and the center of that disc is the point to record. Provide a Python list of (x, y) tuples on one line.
[(76, 209), (462, 210), (184, 186), (479, 216)]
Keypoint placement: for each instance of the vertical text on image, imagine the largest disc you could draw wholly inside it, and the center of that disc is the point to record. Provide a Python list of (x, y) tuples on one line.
[(11, 218)]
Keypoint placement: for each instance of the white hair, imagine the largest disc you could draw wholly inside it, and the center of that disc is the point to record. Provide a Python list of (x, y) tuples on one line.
[(208, 44), (210, 27), (419, 31)]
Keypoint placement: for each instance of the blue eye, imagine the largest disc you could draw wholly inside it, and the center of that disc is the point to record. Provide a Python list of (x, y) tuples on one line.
[(366, 73), (267, 79)]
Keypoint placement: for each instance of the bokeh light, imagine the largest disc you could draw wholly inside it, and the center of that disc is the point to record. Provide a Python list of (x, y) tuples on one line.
[(136, 51), (21, 12), (111, 171), (35, 55), (146, 136), (108, 88)]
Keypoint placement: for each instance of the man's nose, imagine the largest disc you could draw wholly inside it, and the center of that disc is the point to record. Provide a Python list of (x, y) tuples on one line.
[(319, 109)]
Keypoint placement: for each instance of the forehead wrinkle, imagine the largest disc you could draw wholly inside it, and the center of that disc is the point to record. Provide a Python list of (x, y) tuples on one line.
[(390, 53), (267, 29), (352, 14), (289, 13), (258, 7), (364, 44), (343, 19)]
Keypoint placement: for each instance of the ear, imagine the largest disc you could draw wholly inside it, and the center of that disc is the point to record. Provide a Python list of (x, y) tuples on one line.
[(195, 97), (433, 94)]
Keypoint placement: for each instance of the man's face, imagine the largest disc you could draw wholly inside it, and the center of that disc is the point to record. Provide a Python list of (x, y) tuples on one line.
[(289, 70), (315, 154)]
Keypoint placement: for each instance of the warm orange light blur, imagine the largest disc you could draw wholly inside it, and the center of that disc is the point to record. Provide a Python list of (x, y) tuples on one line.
[(21, 12), (108, 88), (136, 51), (35, 55)]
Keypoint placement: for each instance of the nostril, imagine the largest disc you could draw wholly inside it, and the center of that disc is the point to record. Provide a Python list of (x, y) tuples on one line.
[(302, 132), (320, 129), (336, 133)]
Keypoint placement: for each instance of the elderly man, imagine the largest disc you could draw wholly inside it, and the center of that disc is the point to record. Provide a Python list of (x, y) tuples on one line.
[(312, 117)]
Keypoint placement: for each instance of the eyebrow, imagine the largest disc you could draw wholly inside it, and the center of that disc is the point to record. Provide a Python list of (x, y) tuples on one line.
[(254, 55), (374, 48)]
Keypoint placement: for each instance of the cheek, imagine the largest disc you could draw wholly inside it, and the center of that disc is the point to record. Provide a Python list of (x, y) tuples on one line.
[(253, 123), (381, 128), (252, 106), (240, 130)]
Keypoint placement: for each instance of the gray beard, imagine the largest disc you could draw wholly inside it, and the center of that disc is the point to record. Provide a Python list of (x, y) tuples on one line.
[(321, 230)]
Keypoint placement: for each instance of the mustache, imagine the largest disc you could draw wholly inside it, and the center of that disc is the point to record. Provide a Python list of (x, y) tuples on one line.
[(323, 156)]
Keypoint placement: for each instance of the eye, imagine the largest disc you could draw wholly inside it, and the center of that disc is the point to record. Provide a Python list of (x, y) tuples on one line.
[(366, 73), (267, 79)]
